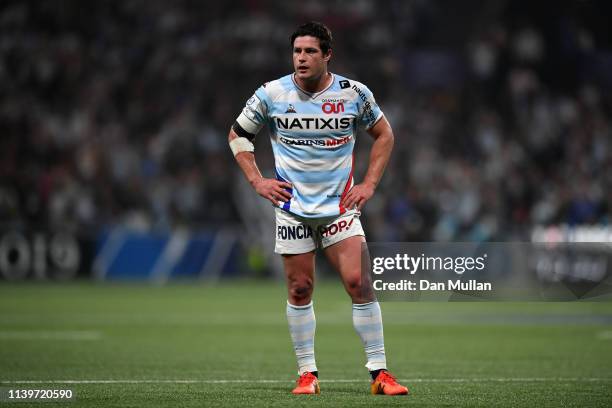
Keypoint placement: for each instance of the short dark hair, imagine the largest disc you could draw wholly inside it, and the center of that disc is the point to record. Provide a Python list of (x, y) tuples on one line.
[(317, 30)]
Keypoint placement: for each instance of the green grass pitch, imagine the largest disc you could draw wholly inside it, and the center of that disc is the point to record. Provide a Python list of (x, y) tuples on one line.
[(228, 345)]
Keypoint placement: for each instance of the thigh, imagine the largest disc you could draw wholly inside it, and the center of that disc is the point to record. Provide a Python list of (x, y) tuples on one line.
[(346, 256), (341, 239), (299, 265), (299, 271)]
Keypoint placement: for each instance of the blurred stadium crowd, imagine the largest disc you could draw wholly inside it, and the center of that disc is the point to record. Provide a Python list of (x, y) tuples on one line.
[(117, 112)]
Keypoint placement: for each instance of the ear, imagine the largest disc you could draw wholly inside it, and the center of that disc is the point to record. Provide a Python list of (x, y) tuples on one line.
[(328, 56)]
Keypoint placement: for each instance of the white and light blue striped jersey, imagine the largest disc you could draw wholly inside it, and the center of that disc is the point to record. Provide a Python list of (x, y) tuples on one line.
[(313, 136)]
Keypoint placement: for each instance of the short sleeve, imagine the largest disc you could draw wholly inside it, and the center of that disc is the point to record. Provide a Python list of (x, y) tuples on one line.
[(369, 111), (255, 112)]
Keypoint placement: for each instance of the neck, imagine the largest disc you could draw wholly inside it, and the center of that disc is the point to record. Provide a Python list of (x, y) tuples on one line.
[(315, 84)]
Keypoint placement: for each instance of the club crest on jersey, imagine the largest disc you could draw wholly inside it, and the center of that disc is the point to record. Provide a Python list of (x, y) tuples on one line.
[(290, 109)]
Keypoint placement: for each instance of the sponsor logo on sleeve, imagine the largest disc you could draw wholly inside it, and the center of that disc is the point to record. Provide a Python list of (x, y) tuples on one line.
[(368, 112), (344, 84), (251, 108)]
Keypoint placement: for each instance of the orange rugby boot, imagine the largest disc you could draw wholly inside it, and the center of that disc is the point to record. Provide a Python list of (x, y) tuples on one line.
[(308, 383), (386, 384)]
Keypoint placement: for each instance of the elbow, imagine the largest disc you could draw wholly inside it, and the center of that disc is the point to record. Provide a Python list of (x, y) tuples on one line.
[(231, 135)]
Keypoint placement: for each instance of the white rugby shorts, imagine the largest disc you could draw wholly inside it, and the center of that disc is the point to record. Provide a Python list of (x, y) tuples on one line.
[(298, 235)]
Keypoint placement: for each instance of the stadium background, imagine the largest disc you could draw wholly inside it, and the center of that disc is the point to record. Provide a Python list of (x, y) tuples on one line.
[(115, 115), (114, 162)]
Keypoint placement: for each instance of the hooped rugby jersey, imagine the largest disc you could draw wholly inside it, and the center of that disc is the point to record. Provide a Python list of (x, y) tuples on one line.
[(313, 136)]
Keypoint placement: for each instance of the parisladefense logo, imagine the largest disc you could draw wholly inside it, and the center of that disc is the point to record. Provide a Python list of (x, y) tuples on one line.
[(316, 142), (252, 105)]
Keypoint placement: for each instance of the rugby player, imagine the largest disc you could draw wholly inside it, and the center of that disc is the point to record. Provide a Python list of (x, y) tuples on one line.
[(313, 116)]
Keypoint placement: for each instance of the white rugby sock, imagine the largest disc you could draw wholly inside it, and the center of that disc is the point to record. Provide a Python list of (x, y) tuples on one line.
[(367, 321), (302, 326)]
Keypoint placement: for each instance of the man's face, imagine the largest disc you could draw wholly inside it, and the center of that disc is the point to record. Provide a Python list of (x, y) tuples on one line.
[(308, 59)]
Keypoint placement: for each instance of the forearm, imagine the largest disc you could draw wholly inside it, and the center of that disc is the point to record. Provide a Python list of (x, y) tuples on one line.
[(273, 190), (379, 157), (247, 163)]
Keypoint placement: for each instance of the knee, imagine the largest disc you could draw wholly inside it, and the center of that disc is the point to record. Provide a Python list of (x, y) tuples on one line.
[(359, 291), (300, 291), (353, 285)]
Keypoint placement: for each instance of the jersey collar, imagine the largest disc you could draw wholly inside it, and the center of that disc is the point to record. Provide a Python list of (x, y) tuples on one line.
[(315, 94)]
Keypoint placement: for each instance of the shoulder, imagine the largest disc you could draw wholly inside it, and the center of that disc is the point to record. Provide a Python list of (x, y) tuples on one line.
[(272, 90), (351, 88)]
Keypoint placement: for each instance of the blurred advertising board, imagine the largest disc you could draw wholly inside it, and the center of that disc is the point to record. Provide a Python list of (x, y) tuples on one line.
[(118, 254)]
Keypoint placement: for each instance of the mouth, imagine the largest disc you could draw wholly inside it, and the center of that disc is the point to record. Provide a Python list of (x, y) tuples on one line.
[(302, 68)]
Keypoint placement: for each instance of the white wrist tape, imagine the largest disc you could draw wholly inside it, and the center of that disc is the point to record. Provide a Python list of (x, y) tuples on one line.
[(241, 144)]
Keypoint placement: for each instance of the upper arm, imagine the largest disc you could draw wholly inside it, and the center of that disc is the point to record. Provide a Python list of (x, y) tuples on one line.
[(369, 111), (252, 118), (381, 128)]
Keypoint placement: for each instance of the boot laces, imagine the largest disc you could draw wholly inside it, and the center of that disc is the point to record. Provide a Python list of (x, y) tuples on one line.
[(305, 379), (388, 378)]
